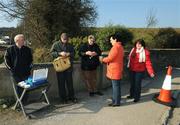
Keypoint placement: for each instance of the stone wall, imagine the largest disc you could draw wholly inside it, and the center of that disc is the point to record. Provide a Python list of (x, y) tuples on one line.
[(160, 59), (6, 82)]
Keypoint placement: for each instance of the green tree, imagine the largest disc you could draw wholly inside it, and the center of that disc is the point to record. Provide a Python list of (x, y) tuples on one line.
[(41, 20)]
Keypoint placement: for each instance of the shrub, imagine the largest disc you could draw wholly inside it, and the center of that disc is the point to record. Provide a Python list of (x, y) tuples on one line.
[(42, 55), (76, 42), (102, 36), (167, 38), (147, 34)]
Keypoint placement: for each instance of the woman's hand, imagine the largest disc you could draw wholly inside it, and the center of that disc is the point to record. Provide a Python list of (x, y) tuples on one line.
[(101, 59), (152, 75)]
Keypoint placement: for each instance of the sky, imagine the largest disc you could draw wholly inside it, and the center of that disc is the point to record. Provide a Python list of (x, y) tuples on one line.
[(129, 13), (133, 13)]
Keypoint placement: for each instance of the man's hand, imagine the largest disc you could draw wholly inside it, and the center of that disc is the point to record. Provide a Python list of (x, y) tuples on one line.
[(67, 54), (62, 54), (93, 53), (88, 53)]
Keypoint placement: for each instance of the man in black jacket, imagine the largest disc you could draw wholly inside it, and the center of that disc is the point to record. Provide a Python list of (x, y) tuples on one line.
[(89, 53), (18, 59), (64, 49)]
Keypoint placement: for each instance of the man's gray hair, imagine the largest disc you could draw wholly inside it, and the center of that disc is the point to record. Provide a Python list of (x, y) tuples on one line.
[(17, 37)]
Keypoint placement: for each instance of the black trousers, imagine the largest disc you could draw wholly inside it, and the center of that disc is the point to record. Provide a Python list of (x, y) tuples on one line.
[(19, 90), (135, 80), (65, 85)]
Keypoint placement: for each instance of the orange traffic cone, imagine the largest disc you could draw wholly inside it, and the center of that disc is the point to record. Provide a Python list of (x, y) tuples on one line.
[(165, 93)]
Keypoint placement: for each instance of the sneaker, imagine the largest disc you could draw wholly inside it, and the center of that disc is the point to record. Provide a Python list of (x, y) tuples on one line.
[(98, 93)]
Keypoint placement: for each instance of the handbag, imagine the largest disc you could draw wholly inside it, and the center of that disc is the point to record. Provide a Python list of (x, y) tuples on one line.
[(61, 64)]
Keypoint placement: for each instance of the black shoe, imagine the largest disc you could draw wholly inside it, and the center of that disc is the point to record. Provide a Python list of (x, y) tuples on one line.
[(129, 97), (113, 105), (91, 94), (64, 101), (116, 105), (74, 100), (136, 100), (98, 93)]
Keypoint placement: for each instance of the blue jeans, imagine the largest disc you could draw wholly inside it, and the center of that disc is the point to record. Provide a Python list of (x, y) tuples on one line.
[(116, 92), (135, 80)]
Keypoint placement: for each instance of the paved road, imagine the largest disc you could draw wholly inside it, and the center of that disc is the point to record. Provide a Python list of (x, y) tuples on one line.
[(94, 110)]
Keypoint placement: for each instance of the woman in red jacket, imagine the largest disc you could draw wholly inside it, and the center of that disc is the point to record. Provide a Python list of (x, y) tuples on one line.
[(114, 62), (139, 62)]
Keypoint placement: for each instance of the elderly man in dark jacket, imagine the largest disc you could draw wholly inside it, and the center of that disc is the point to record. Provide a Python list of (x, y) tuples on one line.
[(64, 49), (18, 59), (89, 53)]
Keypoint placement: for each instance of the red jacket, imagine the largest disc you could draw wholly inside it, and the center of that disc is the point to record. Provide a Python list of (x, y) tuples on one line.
[(114, 62), (136, 66)]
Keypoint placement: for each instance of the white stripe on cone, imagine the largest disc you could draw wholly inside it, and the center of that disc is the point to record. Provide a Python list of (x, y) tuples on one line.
[(167, 83)]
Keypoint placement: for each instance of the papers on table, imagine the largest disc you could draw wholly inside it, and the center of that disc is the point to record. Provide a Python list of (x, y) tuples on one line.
[(40, 74)]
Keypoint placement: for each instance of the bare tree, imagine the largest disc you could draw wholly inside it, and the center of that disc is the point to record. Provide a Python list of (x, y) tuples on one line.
[(151, 19), (14, 8), (44, 19)]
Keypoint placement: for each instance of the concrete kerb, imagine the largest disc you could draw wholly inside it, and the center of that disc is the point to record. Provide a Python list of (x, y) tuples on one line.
[(166, 116)]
